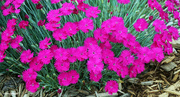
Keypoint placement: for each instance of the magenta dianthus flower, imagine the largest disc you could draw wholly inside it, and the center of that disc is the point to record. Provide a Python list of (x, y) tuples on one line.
[(55, 1), (26, 56), (74, 76), (140, 25), (86, 24), (23, 24), (32, 86), (82, 6), (123, 1), (95, 76), (45, 56), (62, 66), (15, 42), (2, 56), (29, 75), (44, 43), (35, 1), (64, 79), (111, 87), (67, 8), (92, 12)]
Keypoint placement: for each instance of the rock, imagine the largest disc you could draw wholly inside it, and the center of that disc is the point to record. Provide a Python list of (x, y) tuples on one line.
[(169, 66)]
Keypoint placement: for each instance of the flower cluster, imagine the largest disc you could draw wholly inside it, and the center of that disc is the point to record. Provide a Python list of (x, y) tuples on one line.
[(7, 40), (97, 50)]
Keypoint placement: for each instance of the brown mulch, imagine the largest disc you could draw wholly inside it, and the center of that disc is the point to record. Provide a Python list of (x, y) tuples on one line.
[(158, 82), (154, 82)]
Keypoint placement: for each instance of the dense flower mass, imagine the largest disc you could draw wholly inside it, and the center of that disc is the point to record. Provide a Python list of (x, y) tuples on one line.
[(71, 40)]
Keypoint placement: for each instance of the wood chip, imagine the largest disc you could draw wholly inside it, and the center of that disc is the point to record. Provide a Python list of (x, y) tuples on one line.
[(168, 59), (173, 92), (175, 77), (168, 66), (131, 92), (147, 83), (153, 91), (166, 81), (13, 93)]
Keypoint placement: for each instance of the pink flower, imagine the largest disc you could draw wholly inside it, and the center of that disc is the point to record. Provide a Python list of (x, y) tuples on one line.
[(71, 55), (123, 1), (6, 35), (92, 12), (157, 54), (64, 79), (106, 55), (94, 51), (81, 53), (55, 1), (4, 45), (105, 45), (36, 64), (26, 56), (170, 5), (32, 86), (114, 64), (94, 66), (11, 23), (140, 25), (53, 16), (2, 56), (29, 75), (23, 24), (100, 34), (41, 22), (111, 87), (70, 28), (95, 76), (123, 71), (86, 24), (67, 8), (168, 48), (61, 54), (44, 43), (39, 6), (35, 1), (51, 26), (74, 76), (145, 54), (174, 32), (159, 25), (139, 65), (62, 66), (8, 11), (176, 14), (132, 72), (82, 6), (90, 41), (59, 34), (15, 42), (126, 58), (45, 56), (53, 49)]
